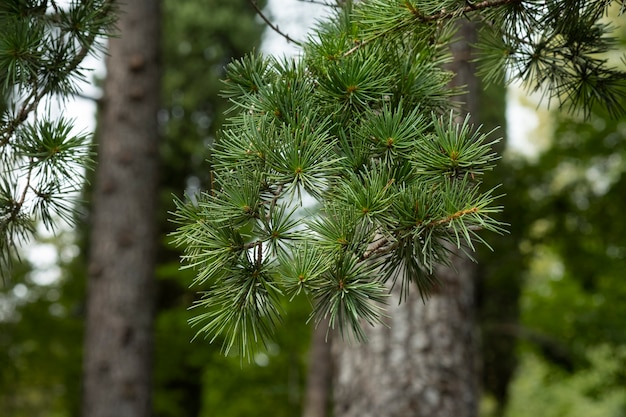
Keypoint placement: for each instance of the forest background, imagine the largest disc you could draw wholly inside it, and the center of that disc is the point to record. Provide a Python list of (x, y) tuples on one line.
[(551, 310)]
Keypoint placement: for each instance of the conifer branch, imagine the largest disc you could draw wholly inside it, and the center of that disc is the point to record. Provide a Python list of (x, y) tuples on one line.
[(46, 160), (383, 246), (32, 101), (452, 217), (437, 17), (363, 136), (321, 3), (273, 26), (357, 47), (471, 6)]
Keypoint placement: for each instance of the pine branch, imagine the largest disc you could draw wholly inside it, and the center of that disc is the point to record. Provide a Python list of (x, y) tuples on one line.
[(356, 47), (377, 248), (471, 6), (321, 3), (396, 175), (35, 97), (272, 25), (443, 15), (41, 58)]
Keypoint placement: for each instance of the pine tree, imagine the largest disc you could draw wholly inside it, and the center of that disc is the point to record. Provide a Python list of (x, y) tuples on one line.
[(42, 49), (364, 126)]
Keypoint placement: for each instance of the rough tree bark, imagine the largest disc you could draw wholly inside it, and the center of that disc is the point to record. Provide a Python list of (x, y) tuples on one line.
[(118, 341), (424, 362)]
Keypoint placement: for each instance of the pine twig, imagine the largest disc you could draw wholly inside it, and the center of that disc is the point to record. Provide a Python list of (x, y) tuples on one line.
[(29, 106), (357, 47), (382, 246), (471, 6), (321, 3), (271, 25)]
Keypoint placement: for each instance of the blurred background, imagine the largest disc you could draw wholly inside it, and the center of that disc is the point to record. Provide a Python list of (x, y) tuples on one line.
[(551, 295)]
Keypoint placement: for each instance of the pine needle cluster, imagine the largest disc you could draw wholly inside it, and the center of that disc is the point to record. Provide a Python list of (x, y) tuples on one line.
[(337, 172), (348, 168), (42, 161)]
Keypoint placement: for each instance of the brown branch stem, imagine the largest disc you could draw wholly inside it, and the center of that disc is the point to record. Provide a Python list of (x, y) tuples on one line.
[(471, 7), (453, 216), (383, 245), (321, 3), (271, 25), (378, 248)]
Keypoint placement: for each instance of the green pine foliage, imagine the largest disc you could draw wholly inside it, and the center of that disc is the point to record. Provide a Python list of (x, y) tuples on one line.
[(363, 128), (42, 47), (355, 132), (557, 47)]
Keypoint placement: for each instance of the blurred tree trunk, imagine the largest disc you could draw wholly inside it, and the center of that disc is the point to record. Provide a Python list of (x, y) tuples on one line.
[(424, 362), (319, 376), (118, 341)]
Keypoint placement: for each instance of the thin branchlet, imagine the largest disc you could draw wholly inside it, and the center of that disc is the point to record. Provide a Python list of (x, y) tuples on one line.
[(273, 26)]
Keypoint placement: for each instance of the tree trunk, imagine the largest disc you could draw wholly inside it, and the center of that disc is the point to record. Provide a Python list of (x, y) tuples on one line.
[(424, 362), (118, 341), (319, 375)]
